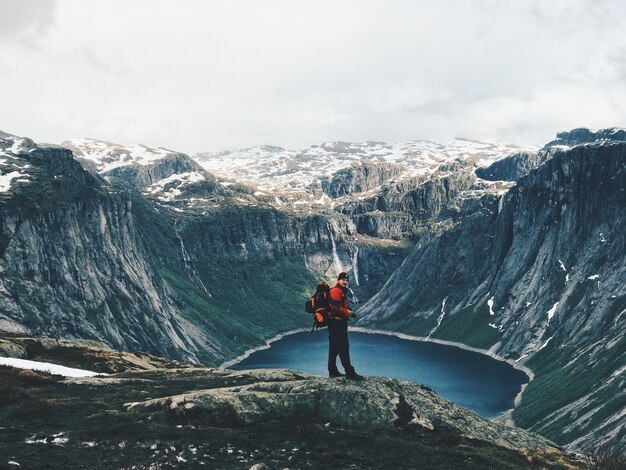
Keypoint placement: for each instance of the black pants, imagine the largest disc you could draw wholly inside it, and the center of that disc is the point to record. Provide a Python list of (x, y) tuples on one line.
[(338, 346)]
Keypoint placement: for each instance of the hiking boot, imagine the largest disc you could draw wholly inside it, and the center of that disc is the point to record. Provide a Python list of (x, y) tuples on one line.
[(334, 375), (356, 377)]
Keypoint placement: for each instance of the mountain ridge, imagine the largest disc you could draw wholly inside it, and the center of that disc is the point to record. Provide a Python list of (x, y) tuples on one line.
[(169, 234), (519, 273)]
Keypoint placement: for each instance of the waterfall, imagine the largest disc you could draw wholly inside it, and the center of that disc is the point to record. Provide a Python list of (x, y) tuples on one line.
[(187, 260), (355, 266), (336, 261), (439, 320), (355, 299)]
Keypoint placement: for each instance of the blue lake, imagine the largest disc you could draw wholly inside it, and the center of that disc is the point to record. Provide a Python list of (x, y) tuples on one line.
[(464, 377)]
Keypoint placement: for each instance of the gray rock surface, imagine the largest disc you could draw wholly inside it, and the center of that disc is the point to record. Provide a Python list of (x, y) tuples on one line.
[(537, 277), (377, 404), (148, 258)]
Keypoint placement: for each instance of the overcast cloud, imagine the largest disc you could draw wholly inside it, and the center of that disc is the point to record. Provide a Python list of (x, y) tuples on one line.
[(211, 75)]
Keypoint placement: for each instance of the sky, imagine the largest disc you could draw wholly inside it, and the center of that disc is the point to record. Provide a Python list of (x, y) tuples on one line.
[(213, 75)]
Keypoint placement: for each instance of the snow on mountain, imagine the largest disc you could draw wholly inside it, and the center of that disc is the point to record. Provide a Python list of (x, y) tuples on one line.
[(169, 188), (280, 177), (276, 169), (54, 369), (107, 155), (11, 166)]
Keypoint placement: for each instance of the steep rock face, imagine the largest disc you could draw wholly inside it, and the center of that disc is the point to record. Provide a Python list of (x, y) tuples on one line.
[(89, 258), (407, 208), (360, 178), (583, 135), (513, 167), (537, 277), (74, 263), (236, 246), (143, 176)]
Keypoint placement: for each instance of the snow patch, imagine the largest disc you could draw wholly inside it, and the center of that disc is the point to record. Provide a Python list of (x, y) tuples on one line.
[(273, 168), (521, 357), (440, 319), (490, 303), (5, 180), (546, 343), (107, 155), (552, 311), (174, 183), (54, 369)]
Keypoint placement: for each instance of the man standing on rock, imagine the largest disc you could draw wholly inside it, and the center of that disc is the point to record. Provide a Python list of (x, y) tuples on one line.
[(338, 330)]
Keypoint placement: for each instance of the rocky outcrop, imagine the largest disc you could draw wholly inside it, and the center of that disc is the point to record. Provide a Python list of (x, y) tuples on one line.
[(142, 176), (378, 404), (80, 353), (513, 167), (359, 178), (250, 419), (407, 208), (584, 135), (534, 277)]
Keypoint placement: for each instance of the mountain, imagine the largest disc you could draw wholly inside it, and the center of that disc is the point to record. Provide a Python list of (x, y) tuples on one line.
[(149, 412), (519, 252), (275, 169), (188, 267), (536, 277)]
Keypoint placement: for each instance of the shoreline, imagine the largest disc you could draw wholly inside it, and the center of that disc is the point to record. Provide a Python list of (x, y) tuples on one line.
[(529, 373), (358, 329), (267, 345)]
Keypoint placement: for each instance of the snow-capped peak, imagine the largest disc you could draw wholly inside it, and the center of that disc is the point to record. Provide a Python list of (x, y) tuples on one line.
[(107, 155), (273, 168)]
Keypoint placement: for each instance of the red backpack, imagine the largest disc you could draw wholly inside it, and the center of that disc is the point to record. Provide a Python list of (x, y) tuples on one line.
[(319, 306)]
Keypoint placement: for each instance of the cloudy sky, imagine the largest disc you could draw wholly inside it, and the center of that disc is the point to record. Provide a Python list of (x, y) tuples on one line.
[(211, 75)]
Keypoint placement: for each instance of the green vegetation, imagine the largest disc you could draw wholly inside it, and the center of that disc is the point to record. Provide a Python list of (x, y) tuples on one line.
[(559, 382), (470, 326), (248, 303)]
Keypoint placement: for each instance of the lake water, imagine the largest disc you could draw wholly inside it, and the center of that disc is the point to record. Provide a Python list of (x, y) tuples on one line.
[(464, 377)]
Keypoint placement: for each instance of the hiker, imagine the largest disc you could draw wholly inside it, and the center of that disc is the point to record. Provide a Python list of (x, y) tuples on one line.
[(338, 330)]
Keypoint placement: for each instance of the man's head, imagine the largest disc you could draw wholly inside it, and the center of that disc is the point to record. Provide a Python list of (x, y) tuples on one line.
[(343, 279)]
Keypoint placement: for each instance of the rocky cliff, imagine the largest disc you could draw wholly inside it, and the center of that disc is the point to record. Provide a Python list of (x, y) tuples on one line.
[(151, 413), (141, 248), (189, 266), (536, 276), (583, 135)]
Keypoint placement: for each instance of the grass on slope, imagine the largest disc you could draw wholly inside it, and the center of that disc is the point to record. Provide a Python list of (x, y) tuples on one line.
[(248, 303)]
